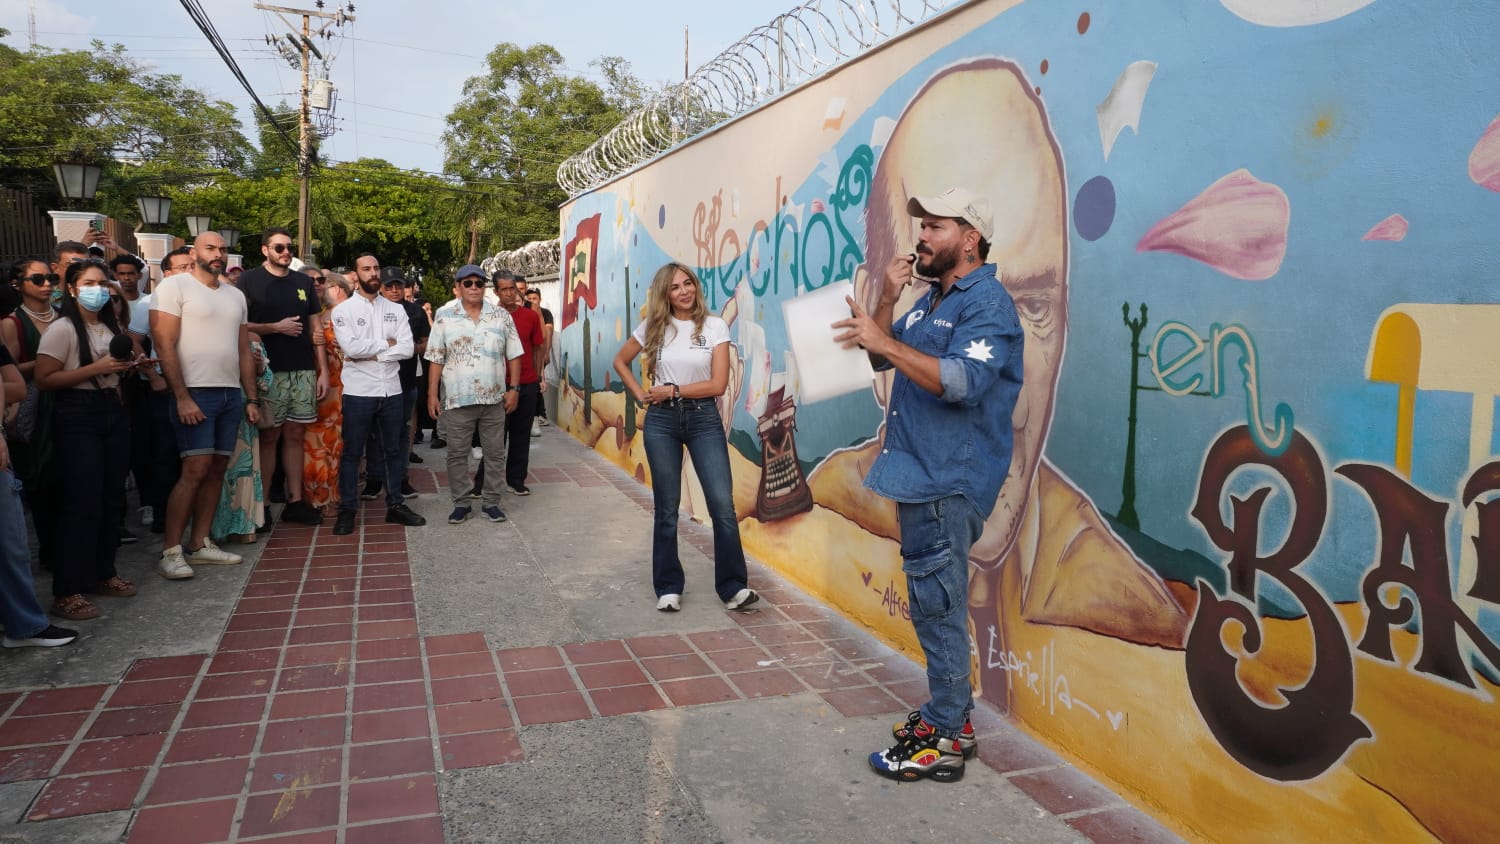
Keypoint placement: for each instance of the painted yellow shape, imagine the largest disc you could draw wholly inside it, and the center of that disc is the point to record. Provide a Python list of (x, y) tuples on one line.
[(289, 798)]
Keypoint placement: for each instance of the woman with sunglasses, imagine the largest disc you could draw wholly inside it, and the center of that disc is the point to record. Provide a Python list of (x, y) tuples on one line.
[(91, 437), (21, 333)]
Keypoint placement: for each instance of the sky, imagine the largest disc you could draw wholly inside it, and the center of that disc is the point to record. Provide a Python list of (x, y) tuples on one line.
[(400, 67)]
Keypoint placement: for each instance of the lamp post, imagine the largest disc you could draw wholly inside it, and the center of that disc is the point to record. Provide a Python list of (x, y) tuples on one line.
[(77, 179), (231, 237), (197, 224), (154, 209)]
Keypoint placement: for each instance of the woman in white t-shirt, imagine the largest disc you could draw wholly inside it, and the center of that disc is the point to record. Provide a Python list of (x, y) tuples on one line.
[(687, 363), (90, 440)]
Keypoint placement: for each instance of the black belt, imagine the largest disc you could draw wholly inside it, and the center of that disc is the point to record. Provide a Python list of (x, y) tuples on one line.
[(687, 402)]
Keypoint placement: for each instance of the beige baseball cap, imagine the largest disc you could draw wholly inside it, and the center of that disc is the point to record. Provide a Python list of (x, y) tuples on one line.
[(959, 204)]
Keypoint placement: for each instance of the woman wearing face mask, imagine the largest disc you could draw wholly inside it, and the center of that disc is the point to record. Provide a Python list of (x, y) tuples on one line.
[(21, 332), (91, 438)]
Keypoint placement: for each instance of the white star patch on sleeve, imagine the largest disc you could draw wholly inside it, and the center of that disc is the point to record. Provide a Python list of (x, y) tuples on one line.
[(980, 350)]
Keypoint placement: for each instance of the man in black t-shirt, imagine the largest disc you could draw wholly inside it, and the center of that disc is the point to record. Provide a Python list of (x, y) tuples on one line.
[(285, 313)]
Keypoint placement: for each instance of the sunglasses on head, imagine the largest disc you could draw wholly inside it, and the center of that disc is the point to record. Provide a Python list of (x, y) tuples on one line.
[(40, 279), (472, 282), (280, 247)]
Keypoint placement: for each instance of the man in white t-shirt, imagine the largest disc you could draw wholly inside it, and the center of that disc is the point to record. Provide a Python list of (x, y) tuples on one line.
[(200, 333)]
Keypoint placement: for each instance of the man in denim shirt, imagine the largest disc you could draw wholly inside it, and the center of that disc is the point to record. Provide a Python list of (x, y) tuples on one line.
[(957, 356)]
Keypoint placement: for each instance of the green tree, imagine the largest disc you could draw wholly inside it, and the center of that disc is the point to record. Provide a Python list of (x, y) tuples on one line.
[(516, 122), (107, 107)]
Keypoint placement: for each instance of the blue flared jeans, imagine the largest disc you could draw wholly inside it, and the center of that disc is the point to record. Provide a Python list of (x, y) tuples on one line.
[(694, 425), (935, 541)]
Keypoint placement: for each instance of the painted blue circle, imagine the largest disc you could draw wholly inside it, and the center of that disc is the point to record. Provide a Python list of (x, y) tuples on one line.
[(1094, 208), (661, 217)]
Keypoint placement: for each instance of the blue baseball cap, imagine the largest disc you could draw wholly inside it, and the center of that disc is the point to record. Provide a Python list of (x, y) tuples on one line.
[(470, 271)]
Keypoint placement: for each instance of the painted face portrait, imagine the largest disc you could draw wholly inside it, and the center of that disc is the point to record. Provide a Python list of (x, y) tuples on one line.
[(1006, 153)]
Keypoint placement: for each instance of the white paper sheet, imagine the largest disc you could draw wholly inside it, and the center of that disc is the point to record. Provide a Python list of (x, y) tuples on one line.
[(824, 368)]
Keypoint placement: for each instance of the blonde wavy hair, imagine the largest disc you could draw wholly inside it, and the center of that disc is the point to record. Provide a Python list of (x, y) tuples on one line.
[(659, 313)]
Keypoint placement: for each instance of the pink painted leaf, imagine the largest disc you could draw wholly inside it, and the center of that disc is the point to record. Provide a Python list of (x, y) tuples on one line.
[(1484, 161), (1238, 226), (1392, 228)]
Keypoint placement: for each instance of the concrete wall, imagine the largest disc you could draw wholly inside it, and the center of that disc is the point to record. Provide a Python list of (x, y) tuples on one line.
[(1247, 562)]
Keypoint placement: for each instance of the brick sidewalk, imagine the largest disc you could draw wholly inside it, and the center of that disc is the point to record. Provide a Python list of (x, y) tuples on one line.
[(324, 715)]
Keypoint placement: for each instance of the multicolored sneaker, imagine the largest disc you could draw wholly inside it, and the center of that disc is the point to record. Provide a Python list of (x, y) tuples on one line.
[(966, 740), (918, 756)]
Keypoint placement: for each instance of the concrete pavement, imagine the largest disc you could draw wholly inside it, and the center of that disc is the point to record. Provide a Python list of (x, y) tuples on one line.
[(493, 682)]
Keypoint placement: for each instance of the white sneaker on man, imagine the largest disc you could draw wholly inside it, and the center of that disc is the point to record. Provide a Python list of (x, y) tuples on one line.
[(669, 602), (147, 514), (536, 427), (212, 555), (477, 453), (172, 566)]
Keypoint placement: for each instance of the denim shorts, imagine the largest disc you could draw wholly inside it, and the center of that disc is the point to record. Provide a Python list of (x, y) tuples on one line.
[(223, 409)]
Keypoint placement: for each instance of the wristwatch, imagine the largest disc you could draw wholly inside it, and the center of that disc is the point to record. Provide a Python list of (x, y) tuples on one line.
[(512, 389)]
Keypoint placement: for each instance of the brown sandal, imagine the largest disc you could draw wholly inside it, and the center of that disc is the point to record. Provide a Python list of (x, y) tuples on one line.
[(74, 608), (117, 587)]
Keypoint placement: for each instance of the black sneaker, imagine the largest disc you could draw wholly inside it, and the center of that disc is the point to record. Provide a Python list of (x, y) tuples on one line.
[(372, 490), (966, 740), (301, 513), (414, 457), (419, 436), (459, 515), (404, 515), (476, 492), (52, 637), (438, 442), (128, 538), (344, 524), (520, 489), (922, 754), (407, 490), (493, 513)]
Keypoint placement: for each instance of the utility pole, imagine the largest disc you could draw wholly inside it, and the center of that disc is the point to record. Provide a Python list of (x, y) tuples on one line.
[(338, 17)]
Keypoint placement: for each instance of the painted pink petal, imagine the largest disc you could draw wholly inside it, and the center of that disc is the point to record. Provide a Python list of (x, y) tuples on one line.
[(1237, 225), (1484, 161), (1392, 228)]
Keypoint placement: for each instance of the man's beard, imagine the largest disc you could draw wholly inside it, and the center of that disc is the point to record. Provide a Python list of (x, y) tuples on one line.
[(938, 264), (370, 286), (212, 266)]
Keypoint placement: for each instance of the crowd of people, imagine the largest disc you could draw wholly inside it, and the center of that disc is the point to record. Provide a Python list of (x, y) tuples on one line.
[(220, 391)]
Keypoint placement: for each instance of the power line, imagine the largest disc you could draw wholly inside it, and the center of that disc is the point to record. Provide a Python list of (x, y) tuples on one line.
[(195, 11)]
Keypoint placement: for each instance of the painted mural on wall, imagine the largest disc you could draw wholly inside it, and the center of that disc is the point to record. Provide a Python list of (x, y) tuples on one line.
[(1247, 561)]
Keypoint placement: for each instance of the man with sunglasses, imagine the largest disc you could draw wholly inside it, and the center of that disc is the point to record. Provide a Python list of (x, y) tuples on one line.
[(475, 355), (286, 313)]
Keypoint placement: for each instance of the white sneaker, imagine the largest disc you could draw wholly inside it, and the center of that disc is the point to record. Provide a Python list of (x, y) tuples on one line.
[(669, 603), (172, 566), (741, 599), (212, 555), (147, 514), (536, 427), (477, 453)]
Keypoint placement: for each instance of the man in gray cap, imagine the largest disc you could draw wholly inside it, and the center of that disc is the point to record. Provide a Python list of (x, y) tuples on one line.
[(948, 435), (474, 355)]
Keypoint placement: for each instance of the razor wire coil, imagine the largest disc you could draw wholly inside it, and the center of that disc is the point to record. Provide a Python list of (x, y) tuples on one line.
[(791, 49)]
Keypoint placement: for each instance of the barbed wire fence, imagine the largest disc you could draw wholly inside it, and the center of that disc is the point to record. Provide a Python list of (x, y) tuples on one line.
[(537, 258), (774, 58), (791, 49)]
